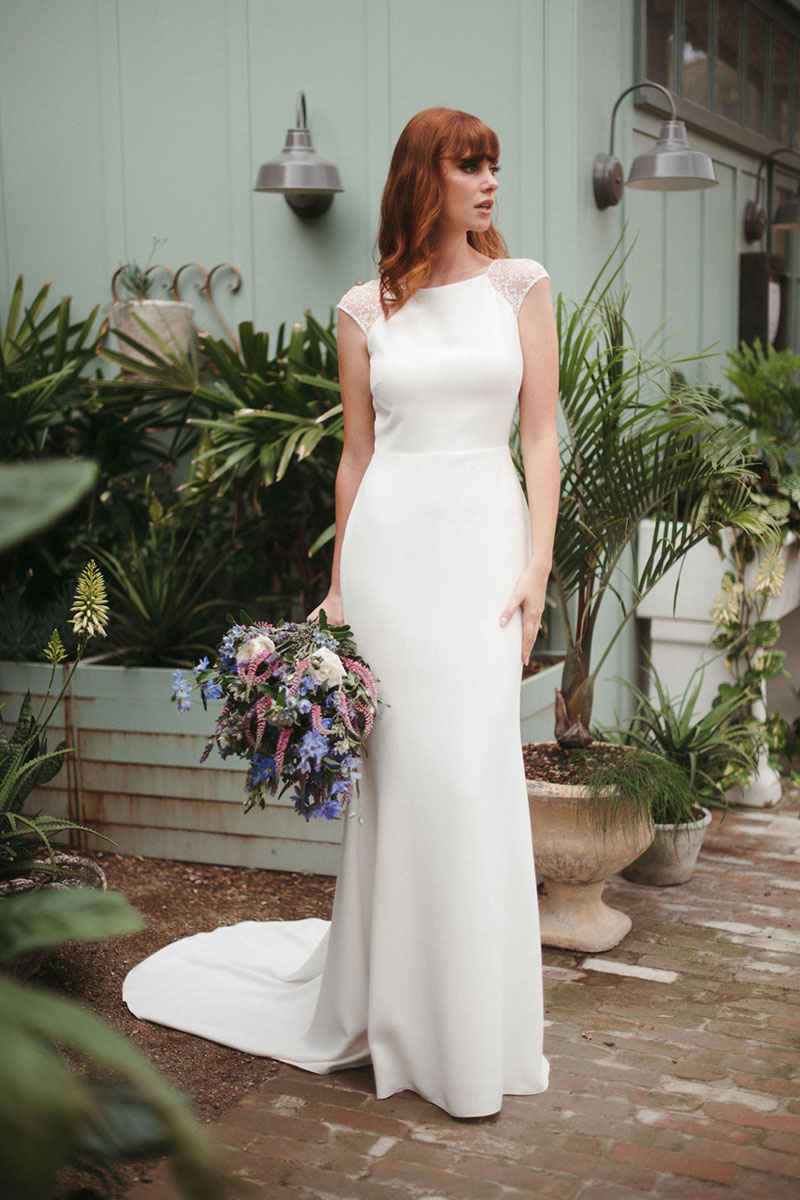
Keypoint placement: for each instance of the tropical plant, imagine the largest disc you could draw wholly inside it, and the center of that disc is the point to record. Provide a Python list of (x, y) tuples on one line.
[(713, 751), (55, 1114), (766, 402), (281, 408), (633, 448), (165, 591), (43, 359)]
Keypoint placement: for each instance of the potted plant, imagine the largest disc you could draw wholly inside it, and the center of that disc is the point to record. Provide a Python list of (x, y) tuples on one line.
[(634, 447), (149, 329), (745, 588), (712, 752)]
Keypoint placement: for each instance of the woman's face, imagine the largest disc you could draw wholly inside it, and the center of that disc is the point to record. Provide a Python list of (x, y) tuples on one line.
[(469, 185)]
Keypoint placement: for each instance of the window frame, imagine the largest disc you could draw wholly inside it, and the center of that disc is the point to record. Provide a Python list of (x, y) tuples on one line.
[(697, 116)]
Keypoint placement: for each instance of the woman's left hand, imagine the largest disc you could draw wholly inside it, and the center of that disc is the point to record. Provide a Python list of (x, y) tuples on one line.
[(529, 595)]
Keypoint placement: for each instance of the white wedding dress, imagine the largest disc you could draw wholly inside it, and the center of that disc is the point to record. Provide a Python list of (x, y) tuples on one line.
[(431, 966)]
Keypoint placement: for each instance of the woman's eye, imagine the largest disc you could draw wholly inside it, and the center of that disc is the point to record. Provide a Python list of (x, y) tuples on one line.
[(495, 168)]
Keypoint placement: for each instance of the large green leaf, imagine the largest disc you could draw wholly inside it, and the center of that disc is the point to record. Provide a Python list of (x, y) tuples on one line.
[(50, 916), (48, 1115), (35, 494)]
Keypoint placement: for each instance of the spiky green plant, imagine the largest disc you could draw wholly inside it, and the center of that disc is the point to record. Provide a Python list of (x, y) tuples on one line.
[(713, 751)]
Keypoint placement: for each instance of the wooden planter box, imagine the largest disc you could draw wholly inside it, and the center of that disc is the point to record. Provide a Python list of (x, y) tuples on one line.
[(137, 778)]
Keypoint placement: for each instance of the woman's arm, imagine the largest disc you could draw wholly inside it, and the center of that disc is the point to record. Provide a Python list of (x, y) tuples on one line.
[(538, 408), (359, 443)]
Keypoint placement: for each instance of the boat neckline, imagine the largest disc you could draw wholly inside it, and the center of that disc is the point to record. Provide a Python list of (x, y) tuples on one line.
[(438, 287)]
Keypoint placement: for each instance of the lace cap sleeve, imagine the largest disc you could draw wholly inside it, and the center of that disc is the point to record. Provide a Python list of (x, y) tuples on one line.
[(363, 304), (514, 278)]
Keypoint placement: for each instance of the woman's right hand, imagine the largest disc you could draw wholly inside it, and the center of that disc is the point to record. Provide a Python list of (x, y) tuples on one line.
[(333, 609)]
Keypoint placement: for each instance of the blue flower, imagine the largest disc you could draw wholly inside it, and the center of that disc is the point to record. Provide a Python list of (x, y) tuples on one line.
[(181, 691), (312, 745), (212, 690), (262, 768), (202, 665), (330, 810), (304, 706)]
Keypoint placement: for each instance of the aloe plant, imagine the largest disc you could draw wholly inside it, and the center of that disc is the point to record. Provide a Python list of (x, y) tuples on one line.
[(714, 751)]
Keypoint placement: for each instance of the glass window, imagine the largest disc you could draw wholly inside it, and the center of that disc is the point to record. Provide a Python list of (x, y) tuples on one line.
[(695, 52), (726, 99), (737, 58), (660, 42), (755, 113), (779, 79)]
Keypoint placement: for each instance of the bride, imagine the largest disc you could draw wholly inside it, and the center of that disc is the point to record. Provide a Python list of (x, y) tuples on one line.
[(431, 966)]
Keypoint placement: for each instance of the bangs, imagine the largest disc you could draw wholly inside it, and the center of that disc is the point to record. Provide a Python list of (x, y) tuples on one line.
[(468, 137)]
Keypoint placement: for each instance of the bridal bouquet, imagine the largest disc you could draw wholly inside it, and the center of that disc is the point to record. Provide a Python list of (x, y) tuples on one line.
[(299, 704)]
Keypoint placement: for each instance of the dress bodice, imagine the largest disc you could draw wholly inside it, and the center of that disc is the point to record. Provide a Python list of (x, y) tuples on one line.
[(446, 369)]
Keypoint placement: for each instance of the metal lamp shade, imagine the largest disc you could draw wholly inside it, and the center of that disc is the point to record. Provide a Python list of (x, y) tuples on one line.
[(307, 182), (672, 166), (787, 215)]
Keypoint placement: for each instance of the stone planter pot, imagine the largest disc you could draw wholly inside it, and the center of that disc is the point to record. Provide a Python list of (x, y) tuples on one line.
[(169, 320), (575, 857), (672, 856)]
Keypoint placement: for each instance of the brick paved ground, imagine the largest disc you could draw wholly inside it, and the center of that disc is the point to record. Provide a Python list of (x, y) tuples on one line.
[(675, 1065)]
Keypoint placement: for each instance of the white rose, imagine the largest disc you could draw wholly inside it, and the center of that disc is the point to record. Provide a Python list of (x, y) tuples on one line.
[(327, 667), (260, 645)]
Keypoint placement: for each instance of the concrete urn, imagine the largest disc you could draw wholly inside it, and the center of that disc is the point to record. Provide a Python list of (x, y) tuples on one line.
[(155, 324), (574, 857)]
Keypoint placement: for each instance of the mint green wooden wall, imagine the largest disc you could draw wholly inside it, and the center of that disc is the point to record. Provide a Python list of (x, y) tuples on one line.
[(120, 119)]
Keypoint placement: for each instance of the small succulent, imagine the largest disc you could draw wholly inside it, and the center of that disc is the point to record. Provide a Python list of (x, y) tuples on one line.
[(135, 279)]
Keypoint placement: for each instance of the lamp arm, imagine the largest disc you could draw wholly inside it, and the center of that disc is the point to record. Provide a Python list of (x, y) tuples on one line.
[(634, 87), (768, 158)]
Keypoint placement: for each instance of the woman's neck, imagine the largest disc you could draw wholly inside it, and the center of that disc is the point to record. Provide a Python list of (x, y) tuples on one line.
[(454, 259)]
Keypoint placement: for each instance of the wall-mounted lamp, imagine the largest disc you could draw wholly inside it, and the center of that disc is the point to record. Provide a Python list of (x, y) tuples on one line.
[(307, 181), (671, 166), (787, 215)]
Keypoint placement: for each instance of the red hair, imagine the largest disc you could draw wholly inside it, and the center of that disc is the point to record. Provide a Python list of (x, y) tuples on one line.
[(412, 198)]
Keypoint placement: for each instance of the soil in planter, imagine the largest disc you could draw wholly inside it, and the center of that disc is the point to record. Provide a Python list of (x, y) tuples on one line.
[(550, 762), (177, 899)]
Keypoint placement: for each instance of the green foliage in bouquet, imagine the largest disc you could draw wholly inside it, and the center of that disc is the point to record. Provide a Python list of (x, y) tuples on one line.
[(114, 1107)]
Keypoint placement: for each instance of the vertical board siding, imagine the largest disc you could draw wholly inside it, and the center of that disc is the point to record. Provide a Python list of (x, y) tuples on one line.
[(119, 121)]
